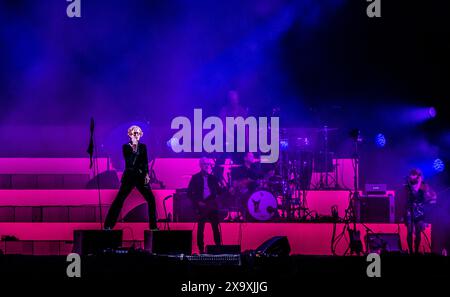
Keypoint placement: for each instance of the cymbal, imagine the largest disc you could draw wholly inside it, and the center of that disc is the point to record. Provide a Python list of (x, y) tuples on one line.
[(230, 165)]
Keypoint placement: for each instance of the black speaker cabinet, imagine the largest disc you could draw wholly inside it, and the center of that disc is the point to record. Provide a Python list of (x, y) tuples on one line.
[(376, 209), (383, 242), (86, 242), (168, 242), (277, 246), (183, 208)]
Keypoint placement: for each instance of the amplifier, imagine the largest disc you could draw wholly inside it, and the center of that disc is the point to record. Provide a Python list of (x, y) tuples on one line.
[(376, 209), (183, 208), (376, 189), (383, 242)]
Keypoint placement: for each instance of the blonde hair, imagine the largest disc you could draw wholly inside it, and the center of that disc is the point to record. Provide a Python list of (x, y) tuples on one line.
[(135, 128)]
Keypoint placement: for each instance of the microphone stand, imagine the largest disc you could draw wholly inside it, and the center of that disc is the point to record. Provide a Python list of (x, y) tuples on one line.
[(167, 219), (97, 174), (411, 216), (153, 178), (94, 163), (356, 182), (355, 240)]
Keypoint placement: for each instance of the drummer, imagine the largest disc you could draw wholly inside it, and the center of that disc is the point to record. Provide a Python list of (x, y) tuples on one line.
[(247, 175)]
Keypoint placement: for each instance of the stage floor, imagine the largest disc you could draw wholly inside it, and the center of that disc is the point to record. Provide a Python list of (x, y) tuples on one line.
[(170, 273)]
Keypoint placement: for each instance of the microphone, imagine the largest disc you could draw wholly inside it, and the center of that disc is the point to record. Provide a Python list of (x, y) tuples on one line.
[(134, 144)]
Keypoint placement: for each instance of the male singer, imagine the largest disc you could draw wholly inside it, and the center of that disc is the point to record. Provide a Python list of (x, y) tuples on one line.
[(135, 175), (203, 190)]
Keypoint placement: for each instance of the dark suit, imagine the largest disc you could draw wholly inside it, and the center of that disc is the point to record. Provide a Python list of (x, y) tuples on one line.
[(136, 168), (207, 212)]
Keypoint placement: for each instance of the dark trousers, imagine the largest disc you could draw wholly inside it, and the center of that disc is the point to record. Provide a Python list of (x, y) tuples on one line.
[(128, 184), (213, 218), (415, 229)]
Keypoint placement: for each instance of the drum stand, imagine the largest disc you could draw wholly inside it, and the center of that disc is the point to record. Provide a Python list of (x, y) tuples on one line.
[(324, 174), (235, 212), (300, 193), (307, 213), (294, 204)]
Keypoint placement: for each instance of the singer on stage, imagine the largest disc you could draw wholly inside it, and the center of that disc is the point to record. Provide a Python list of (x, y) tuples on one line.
[(135, 175)]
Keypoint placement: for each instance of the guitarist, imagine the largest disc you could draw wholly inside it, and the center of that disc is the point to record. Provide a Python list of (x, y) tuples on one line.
[(419, 195), (203, 190)]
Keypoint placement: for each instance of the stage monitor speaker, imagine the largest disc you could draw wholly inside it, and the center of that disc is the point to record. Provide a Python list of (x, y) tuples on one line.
[(87, 242), (223, 249), (383, 242), (277, 246), (183, 208), (168, 242)]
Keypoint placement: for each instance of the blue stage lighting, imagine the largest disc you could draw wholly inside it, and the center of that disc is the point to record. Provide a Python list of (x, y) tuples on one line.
[(432, 112), (380, 140), (438, 165)]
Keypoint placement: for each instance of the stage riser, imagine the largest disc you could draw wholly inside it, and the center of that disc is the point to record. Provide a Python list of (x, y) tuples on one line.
[(22, 173), (174, 172), (50, 165), (74, 198), (319, 201), (304, 238)]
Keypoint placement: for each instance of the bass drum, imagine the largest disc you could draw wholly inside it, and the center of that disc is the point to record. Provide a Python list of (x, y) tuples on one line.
[(262, 205)]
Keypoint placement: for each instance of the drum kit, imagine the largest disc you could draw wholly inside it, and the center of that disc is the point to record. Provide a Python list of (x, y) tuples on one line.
[(281, 192)]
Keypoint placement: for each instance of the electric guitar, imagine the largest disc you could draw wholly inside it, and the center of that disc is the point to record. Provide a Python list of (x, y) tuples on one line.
[(206, 206)]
